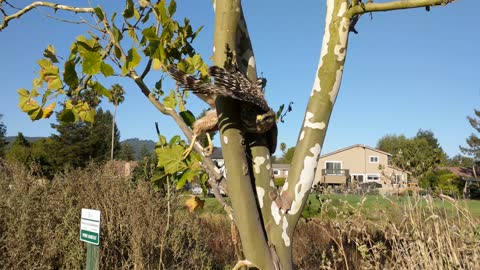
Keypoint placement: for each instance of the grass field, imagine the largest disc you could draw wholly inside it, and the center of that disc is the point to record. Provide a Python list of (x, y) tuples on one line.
[(330, 205)]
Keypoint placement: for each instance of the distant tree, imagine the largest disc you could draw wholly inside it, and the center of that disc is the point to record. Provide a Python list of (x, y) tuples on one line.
[(417, 155), (19, 150), (126, 152), (3, 132), (144, 153), (283, 147), (288, 156), (442, 181), (117, 97), (460, 161), (79, 143), (473, 141)]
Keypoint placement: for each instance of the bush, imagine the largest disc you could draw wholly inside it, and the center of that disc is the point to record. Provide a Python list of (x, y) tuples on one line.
[(39, 225), (39, 229)]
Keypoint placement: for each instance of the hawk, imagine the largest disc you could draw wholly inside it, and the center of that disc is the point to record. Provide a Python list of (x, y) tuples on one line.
[(256, 116)]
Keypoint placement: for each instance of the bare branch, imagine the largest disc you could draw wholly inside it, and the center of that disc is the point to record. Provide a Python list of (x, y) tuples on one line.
[(33, 5), (375, 7)]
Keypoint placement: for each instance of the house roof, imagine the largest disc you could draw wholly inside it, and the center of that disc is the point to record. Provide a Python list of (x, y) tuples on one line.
[(463, 172), (280, 166), (355, 146), (217, 153)]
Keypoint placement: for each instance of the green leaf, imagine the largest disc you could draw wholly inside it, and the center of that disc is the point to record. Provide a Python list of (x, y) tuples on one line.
[(170, 101), (87, 115), (91, 64), (188, 117), (187, 176), (171, 159), (150, 33), (133, 59), (128, 11), (99, 13), (156, 64), (106, 69), (136, 13), (158, 85), (49, 52), (172, 7), (174, 140), (99, 88), (67, 115), (117, 34), (70, 76), (133, 34), (50, 75), (25, 102)]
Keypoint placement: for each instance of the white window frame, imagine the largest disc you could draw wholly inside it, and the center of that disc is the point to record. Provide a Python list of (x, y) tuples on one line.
[(333, 161), (276, 172), (372, 174), (398, 178), (370, 159)]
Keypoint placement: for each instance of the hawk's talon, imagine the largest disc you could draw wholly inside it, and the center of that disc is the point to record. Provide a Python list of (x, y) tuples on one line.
[(189, 149)]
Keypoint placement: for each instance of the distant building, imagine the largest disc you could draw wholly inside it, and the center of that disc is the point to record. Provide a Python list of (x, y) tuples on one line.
[(359, 164), (280, 170)]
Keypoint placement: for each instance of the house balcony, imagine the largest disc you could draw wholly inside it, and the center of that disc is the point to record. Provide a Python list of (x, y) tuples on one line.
[(334, 177)]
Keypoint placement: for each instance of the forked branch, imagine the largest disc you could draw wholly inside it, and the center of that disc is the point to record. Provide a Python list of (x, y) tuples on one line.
[(53, 6), (394, 5)]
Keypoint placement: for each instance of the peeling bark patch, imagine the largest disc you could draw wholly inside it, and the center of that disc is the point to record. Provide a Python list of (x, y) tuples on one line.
[(272, 184), (214, 5), (213, 49), (251, 62), (275, 213), (257, 162), (316, 82), (285, 237), (309, 124), (306, 178), (326, 35), (343, 8), (302, 135), (340, 52), (225, 139), (338, 79), (260, 193)]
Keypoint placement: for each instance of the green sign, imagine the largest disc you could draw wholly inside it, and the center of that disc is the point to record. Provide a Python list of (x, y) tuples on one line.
[(90, 226)]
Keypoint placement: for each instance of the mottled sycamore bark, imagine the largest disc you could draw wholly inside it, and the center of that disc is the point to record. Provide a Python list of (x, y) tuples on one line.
[(228, 17)]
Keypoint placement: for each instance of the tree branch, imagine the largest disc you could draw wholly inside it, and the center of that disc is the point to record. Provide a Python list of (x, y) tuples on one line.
[(375, 7), (33, 5)]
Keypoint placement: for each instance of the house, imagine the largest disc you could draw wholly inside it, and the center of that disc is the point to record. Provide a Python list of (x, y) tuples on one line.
[(359, 164), (280, 170)]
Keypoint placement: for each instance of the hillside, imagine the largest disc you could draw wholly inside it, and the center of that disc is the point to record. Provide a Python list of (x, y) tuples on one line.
[(137, 144)]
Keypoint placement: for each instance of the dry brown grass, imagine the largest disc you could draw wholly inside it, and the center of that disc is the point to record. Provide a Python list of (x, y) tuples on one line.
[(39, 229)]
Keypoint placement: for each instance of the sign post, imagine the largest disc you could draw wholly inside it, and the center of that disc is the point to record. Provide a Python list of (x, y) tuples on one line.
[(90, 233)]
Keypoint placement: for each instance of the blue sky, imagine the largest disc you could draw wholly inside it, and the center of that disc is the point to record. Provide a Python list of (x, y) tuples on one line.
[(405, 70)]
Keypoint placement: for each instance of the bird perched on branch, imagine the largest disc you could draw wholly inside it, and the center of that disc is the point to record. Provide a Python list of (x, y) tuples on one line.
[(256, 116)]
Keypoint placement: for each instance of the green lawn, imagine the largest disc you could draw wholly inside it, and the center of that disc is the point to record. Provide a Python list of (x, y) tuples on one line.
[(332, 205)]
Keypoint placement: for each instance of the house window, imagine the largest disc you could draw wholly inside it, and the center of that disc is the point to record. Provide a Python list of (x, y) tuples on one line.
[(276, 172), (373, 159), (333, 167), (373, 177), (358, 177), (398, 178), (285, 172)]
